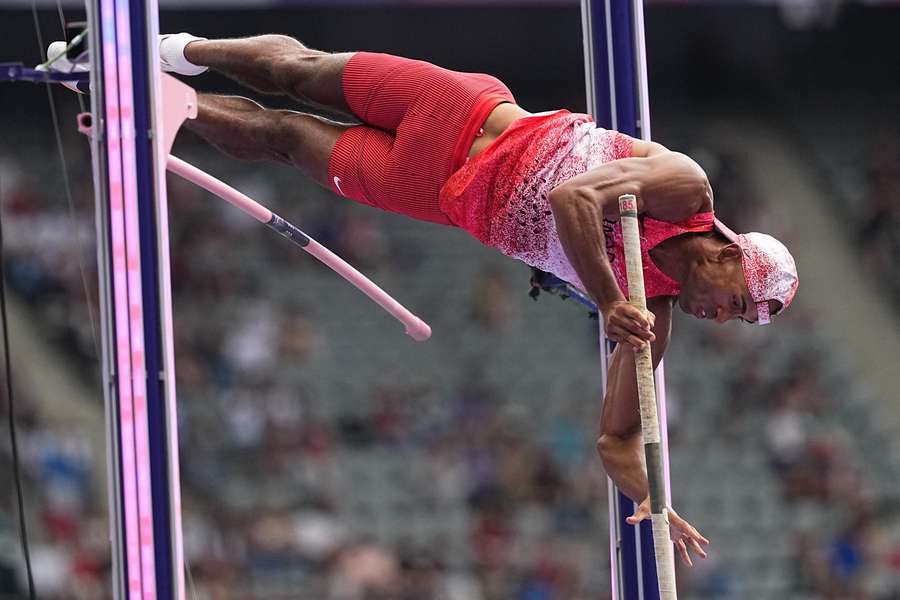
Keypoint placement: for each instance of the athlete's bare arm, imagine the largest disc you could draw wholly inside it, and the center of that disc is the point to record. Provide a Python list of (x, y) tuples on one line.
[(669, 186), (619, 444)]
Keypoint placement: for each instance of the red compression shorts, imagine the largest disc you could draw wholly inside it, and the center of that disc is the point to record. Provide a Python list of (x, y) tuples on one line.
[(419, 123)]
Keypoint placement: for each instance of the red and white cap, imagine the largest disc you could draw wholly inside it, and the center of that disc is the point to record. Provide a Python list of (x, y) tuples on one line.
[(769, 269)]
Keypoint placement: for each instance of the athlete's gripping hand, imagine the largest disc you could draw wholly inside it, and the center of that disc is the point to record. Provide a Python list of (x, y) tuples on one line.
[(683, 534), (625, 323)]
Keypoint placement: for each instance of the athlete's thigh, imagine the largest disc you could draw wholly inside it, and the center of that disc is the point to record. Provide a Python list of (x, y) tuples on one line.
[(382, 90), (401, 174), (374, 167), (307, 142)]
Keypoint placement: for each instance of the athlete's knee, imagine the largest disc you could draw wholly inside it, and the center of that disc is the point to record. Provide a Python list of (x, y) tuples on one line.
[(305, 141), (272, 45), (268, 129), (304, 72), (284, 59), (310, 141)]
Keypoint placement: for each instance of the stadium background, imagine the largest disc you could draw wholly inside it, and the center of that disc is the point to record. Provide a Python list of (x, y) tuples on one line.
[(326, 456)]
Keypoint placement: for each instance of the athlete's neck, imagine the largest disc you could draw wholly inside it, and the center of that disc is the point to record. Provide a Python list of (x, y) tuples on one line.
[(676, 255)]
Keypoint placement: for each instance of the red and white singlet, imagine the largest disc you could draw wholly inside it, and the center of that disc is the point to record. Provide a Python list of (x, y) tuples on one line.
[(501, 197)]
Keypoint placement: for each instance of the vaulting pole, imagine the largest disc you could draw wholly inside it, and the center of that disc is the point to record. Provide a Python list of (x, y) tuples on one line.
[(650, 425)]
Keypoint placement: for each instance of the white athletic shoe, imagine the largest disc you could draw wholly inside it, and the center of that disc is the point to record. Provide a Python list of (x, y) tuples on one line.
[(171, 58), (56, 57), (171, 54)]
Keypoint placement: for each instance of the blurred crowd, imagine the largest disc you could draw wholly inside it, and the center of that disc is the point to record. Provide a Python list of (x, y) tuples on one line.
[(878, 227), (264, 510), (831, 483), (858, 158)]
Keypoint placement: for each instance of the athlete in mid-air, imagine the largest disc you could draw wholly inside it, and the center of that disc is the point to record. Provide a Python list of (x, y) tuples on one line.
[(455, 149)]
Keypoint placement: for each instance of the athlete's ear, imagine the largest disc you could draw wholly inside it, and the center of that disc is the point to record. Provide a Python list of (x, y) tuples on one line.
[(730, 252)]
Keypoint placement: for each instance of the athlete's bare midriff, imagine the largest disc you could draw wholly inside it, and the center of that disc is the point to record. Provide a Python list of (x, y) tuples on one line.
[(497, 122)]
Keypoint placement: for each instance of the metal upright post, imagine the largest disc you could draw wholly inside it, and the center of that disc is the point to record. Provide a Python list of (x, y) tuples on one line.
[(133, 262), (617, 94)]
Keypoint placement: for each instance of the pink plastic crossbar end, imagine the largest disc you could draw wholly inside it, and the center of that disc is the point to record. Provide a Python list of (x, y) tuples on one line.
[(418, 330)]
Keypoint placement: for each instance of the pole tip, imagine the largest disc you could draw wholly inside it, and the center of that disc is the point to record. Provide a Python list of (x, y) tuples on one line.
[(628, 203), (418, 330)]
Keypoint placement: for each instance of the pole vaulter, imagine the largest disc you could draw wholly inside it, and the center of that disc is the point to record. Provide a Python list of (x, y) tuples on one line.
[(618, 96)]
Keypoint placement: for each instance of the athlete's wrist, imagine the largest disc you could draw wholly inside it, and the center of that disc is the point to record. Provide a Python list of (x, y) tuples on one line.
[(609, 301)]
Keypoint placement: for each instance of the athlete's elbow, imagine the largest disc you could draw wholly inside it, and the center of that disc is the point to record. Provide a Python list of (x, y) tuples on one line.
[(559, 197), (610, 446), (702, 189), (694, 177), (610, 449), (604, 446), (705, 191), (565, 197)]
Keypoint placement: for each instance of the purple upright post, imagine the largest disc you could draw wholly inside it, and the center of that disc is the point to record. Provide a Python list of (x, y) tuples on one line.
[(617, 93), (135, 302)]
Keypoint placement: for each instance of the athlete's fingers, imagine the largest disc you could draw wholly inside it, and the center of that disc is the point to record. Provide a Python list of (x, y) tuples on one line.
[(635, 314), (685, 555), (625, 322), (639, 330), (629, 326), (700, 551), (622, 335), (639, 515), (689, 530), (635, 338)]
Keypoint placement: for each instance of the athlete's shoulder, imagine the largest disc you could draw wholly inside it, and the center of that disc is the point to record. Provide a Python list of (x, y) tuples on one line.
[(645, 148)]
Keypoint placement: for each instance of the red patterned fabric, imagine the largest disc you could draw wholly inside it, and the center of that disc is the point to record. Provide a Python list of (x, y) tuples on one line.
[(502, 196), (420, 121), (653, 233)]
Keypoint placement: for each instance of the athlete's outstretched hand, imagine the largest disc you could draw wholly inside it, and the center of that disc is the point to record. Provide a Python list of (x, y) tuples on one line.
[(625, 323), (683, 533)]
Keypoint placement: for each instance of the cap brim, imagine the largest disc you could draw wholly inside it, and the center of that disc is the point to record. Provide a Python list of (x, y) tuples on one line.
[(726, 231), (762, 308)]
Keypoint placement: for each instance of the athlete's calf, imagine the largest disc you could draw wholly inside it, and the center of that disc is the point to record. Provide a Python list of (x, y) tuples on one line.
[(245, 130), (276, 64)]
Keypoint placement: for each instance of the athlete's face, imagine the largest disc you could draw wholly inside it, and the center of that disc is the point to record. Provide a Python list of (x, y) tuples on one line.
[(715, 288)]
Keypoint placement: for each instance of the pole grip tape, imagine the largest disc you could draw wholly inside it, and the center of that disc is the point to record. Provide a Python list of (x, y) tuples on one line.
[(665, 556), (650, 431), (288, 230)]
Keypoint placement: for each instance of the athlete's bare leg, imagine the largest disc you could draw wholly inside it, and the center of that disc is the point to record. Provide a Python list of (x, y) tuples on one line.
[(245, 130), (276, 64)]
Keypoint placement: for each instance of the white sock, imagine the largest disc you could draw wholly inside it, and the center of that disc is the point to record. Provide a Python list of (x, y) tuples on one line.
[(171, 54)]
